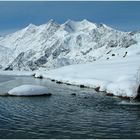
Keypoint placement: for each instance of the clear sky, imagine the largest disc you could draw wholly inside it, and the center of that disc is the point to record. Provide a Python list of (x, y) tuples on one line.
[(120, 15)]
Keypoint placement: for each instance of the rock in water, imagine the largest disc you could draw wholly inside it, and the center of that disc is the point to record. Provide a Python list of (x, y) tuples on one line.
[(28, 90)]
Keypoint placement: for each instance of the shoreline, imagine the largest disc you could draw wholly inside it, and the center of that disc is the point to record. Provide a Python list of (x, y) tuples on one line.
[(33, 74), (97, 89), (102, 76)]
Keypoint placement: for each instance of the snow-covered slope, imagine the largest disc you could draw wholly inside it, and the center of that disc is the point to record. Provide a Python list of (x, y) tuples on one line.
[(120, 77), (52, 45), (5, 53)]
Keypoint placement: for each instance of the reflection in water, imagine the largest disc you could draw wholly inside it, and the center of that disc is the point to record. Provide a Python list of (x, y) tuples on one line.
[(65, 116)]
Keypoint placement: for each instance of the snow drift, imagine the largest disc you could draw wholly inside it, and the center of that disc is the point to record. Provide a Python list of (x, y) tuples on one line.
[(117, 77), (28, 90)]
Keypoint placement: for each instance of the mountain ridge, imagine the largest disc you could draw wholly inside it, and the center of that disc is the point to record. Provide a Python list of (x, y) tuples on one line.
[(54, 45)]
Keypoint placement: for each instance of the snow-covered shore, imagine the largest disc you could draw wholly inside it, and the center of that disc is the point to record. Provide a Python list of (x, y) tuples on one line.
[(18, 73), (118, 77)]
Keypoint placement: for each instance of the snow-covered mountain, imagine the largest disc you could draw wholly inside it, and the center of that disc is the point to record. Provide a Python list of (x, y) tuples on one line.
[(52, 45)]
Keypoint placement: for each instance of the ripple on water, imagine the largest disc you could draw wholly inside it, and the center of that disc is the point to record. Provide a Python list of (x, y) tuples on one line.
[(129, 103), (66, 116)]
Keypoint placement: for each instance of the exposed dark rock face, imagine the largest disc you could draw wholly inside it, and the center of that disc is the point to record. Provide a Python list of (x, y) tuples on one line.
[(42, 60), (138, 93), (125, 54), (139, 89), (97, 89)]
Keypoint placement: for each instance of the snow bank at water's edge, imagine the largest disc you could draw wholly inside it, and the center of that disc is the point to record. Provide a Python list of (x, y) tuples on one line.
[(117, 77)]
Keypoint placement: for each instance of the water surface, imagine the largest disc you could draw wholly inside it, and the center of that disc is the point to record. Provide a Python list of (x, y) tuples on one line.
[(86, 115)]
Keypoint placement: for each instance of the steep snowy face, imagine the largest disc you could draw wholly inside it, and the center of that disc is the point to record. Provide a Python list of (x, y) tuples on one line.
[(75, 26), (136, 35), (30, 37), (52, 45), (5, 54)]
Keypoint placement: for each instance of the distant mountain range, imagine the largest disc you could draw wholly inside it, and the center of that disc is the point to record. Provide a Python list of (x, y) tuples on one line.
[(52, 45)]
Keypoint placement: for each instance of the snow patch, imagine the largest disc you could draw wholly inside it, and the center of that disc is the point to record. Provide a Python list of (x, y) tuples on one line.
[(28, 90)]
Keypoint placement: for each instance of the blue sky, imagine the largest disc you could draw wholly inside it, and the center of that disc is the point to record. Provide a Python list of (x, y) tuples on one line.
[(120, 15)]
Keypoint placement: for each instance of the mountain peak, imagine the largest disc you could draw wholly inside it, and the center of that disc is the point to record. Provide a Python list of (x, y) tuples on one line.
[(70, 22), (86, 21), (51, 21), (104, 26), (71, 25), (51, 45), (74, 22), (31, 26)]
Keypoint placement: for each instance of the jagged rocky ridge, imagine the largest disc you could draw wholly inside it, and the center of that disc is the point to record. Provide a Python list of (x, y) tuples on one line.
[(52, 45)]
